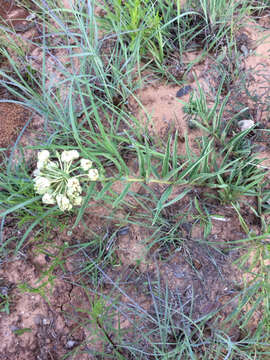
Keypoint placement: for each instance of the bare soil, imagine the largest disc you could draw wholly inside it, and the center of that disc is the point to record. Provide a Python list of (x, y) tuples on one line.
[(12, 116), (12, 119)]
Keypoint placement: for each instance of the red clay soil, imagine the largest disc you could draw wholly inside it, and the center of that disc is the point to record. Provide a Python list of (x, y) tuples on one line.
[(12, 116), (12, 119), (12, 14)]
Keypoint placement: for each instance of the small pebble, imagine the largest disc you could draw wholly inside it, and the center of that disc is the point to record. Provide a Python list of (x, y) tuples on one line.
[(70, 344), (183, 91), (245, 124), (47, 258), (244, 50), (123, 231), (45, 322), (14, 328), (4, 291)]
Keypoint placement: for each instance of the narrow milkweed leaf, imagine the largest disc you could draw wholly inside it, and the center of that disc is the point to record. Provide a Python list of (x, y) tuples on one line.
[(122, 195), (177, 198), (241, 219), (102, 193), (166, 160), (33, 225), (85, 203), (174, 154), (196, 164), (19, 206), (141, 162), (164, 197)]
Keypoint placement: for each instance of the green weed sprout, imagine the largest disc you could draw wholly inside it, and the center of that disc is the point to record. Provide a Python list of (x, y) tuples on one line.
[(59, 181)]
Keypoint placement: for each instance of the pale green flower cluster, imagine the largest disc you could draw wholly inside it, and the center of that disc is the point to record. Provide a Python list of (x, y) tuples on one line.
[(56, 180)]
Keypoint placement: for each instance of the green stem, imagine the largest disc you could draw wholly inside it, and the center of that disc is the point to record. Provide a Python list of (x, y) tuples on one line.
[(144, 180)]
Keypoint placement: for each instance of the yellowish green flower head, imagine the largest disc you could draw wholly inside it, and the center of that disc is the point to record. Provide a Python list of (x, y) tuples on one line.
[(60, 179)]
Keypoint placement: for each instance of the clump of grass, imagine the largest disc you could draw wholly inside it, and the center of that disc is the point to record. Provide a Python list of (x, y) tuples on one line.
[(167, 329), (159, 32)]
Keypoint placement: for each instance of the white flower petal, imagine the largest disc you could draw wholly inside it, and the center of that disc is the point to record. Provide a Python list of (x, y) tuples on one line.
[(69, 155), (36, 172), (77, 201), (48, 199), (63, 202), (42, 185), (86, 164), (73, 182), (93, 174), (73, 187), (41, 164), (43, 155)]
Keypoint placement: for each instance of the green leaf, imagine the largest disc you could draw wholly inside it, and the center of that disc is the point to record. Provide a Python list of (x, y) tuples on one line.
[(22, 331), (177, 198), (122, 195), (19, 206), (165, 163), (33, 225), (85, 203), (161, 201)]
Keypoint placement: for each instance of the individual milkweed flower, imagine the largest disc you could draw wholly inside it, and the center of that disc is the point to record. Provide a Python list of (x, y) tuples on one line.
[(36, 172), (73, 187), (43, 155), (86, 164), (69, 155), (93, 174), (41, 164), (49, 199), (63, 202), (42, 185), (43, 158), (77, 201)]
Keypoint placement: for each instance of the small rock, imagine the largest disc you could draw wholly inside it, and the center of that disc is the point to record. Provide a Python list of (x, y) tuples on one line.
[(123, 231), (245, 124), (4, 291), (70, 344), (244, 50), (183, 91), (14, 328), (45, 321)]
